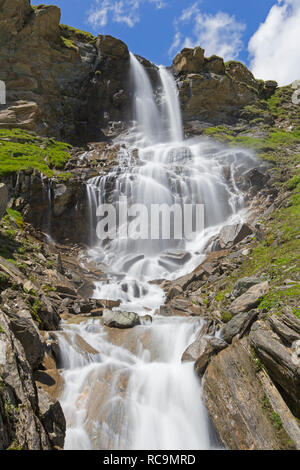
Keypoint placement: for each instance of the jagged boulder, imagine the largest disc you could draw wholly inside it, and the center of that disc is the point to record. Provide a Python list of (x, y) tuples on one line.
[(240, 73), (214, 64), (193, 351), (189, 61), (110, 46), (3, 199), (230, 235), (249, 299), (238, 326), (243, 284)]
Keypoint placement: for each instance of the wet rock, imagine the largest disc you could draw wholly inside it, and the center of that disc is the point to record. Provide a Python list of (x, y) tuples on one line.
[(120, 319), (77, 342), (97, 312), (145, 319), (208, 347), (127, 339), (243, 284), (256, 178), (82, 345), (238, 326), (3, 199), (108, 303), (249, 299), (234, 398), (193, 351), (180, 307), (230, 235), (174, 291), (186, 280), (176, 256), (63, 197)]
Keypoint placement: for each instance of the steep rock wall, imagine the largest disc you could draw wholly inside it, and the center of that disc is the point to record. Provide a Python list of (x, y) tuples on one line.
[(57, 83)]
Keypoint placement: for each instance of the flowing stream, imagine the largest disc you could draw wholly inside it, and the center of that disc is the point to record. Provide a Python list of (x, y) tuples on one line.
[(127, 389)]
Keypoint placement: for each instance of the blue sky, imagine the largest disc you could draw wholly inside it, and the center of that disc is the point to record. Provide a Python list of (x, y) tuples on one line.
[(264, 34)]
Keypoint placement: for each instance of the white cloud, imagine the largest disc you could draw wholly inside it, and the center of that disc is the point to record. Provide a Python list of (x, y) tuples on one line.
[(218, 34), (119, 11), (274, 48)]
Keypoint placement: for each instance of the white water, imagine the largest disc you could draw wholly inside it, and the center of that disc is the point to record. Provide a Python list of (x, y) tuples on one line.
[(133, 399), (136, 394)]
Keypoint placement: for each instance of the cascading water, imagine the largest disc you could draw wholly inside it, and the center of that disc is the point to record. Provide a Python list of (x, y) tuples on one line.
[(135, 393)]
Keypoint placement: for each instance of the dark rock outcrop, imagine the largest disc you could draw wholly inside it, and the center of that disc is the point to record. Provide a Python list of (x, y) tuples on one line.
[(59, 209), (20, 423), (3, 199)]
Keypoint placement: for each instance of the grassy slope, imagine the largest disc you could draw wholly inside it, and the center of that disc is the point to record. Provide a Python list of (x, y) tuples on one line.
[(278, 255), (20, 150)]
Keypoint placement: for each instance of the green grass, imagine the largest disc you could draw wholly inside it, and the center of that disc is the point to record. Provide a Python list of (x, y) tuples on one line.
[(275, 138), (16, 217), (226, 317), (2, 331), (276, 146), (20, 150), (69, 44), (278, 257), (71, 33)]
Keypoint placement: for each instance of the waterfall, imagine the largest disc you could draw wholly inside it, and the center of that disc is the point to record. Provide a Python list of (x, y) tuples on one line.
[(172, 105), (145, 108), (134, 392)]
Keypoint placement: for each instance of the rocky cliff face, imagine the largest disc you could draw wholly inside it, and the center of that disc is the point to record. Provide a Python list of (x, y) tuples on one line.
[(215, 92), (60, 81), (68, 84)]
